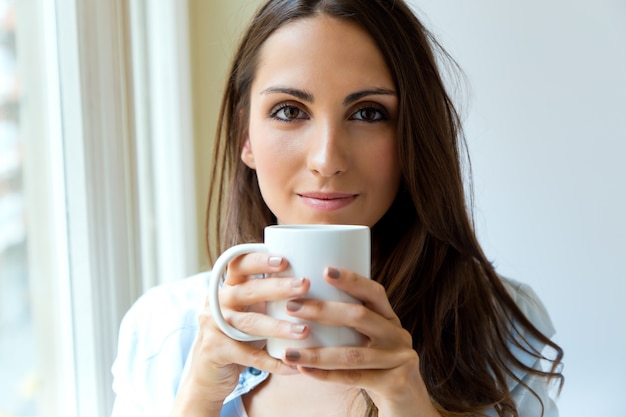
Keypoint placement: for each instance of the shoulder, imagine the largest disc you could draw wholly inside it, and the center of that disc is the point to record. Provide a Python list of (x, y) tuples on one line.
[(155, 339), (530, 304), (178, 296), (530, 390), (164, 311), (184, 292)]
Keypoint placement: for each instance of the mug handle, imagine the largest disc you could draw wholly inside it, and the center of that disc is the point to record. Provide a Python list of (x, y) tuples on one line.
[(214, 281)]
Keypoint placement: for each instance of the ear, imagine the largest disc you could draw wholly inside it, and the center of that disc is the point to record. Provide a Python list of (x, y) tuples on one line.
[(247, 156)]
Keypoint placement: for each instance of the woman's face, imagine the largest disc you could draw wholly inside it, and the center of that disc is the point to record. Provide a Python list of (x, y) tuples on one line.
[(322, 128)]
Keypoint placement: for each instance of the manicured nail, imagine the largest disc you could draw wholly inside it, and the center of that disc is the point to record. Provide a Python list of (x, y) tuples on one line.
[(275, 261), (297, 282), (334, 273), (292, 355), (298, 328), (294, 305)]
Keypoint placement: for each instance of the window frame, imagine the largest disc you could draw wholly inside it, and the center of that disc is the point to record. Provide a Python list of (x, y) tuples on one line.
[(100, 188), (128, 161)]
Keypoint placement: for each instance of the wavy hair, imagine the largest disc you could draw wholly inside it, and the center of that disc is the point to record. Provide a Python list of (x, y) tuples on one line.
[(424, 249)]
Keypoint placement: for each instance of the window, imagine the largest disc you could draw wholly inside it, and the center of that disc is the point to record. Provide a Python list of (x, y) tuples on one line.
[(95, 180), (35, 325), (18, 379)]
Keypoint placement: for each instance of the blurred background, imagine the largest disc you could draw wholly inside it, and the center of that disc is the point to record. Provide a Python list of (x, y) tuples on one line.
[(107, 111), (545, 119)]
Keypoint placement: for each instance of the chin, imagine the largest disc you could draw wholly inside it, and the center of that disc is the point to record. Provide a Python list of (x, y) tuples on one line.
[(326, 219)]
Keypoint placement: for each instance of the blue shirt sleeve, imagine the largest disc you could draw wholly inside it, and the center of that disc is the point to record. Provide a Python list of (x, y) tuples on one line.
[(155, 340), (529, 405)]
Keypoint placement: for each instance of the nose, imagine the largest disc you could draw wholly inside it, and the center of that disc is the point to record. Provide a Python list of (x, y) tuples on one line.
[(328, 151)]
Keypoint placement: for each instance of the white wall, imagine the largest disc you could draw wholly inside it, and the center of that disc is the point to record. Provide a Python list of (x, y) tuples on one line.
[(546, 127)]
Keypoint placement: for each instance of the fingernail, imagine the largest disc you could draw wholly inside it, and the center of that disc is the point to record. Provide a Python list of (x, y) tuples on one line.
[(294, 305), (275, 261), (297, 282), (334, 273), (298, 328), (292, 355)]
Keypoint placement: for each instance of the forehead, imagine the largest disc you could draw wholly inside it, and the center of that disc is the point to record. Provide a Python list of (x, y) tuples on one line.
[(322, 50)]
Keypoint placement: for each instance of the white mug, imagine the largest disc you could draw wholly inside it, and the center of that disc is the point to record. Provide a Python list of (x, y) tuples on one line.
[(309, 249)]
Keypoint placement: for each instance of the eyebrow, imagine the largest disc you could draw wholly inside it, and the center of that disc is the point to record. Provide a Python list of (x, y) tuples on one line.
[(308, 97), (300, 94), (351, 98)]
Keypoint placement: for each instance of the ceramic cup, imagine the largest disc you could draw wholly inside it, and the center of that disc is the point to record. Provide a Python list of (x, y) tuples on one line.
[(309, 249)]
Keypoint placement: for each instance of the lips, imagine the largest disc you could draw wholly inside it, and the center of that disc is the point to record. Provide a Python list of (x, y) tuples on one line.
[(327, 201)]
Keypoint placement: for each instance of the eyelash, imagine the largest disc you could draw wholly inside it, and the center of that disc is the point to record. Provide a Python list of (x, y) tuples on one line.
[(381, 116), (274, 112), (382, 113)]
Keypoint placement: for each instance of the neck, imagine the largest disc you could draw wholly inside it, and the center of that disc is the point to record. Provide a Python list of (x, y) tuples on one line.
[(303, 396)]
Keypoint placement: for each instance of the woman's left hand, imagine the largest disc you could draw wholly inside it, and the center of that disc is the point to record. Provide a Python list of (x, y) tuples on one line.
[(387, 367)]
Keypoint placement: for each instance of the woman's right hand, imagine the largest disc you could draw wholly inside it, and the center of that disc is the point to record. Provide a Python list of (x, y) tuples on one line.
[(217, 360)]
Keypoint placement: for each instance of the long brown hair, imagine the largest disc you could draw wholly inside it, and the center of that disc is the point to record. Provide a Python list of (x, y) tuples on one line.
[(424, 251)]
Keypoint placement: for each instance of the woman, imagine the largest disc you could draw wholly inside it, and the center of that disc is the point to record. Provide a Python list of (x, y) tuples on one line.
[(335, 112)]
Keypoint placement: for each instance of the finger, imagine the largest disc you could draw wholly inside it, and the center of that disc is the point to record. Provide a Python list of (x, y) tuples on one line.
[(249, 356), (217, 348), (349, 358), (378, 329), (371, 293), (263, 325), (394, 383), (261, 290), (241, 267), (353, 377), (396, 390)]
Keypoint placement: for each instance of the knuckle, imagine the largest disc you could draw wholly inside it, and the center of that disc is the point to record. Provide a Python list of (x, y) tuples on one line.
[(411, 359), (273, 366), (225, 295), (405, 338), (358, 312), (248, 290), (408, 339), (379, 291), (244, 321), (314, 356), (354, 356), (258, 357), (234, 263)]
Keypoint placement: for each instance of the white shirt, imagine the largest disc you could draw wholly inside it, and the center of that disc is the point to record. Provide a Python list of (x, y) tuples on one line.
[(158, 331)]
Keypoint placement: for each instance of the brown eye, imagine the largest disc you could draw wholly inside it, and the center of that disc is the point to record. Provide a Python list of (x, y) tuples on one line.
[(369, 114), (288, 113), (291, 112)]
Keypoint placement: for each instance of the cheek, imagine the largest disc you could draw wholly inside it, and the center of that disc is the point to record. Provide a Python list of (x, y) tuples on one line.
[(270, 156), (384, 171), (393, 169), (275, 159)]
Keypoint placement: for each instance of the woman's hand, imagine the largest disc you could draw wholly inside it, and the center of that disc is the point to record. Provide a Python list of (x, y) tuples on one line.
[(387, 367), (217, 360)]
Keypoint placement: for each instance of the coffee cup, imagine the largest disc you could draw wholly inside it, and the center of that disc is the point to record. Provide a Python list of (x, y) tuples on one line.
[(309, 249)]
